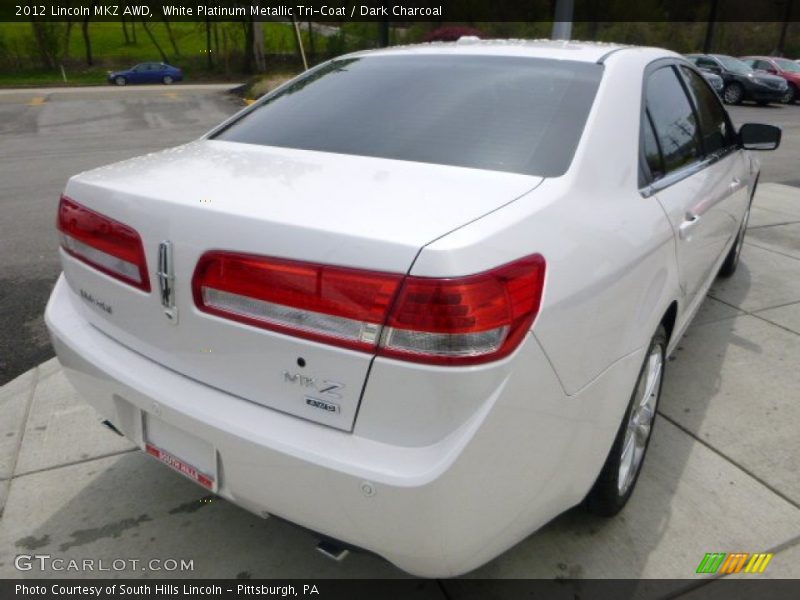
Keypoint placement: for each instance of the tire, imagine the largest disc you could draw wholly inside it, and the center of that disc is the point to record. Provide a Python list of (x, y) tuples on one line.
[(731, 261), (617, 479), (791, 95), (167, 80), (733, 93), (120, 80)]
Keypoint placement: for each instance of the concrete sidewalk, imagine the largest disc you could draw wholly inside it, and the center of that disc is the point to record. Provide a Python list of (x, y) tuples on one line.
[(721, 474)]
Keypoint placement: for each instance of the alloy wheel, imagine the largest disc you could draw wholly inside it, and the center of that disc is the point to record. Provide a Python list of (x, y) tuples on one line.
[(732, 94), (640, 420)]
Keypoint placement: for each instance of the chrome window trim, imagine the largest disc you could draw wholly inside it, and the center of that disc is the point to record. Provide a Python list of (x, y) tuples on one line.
[(674, 177), (679, 175)]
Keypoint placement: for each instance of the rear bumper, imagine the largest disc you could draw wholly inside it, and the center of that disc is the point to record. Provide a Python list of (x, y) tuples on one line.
[(527, 454)]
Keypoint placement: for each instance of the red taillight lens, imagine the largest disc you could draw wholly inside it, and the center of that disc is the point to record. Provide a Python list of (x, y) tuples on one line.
[(466, 320), (319, 302), (105, 244)]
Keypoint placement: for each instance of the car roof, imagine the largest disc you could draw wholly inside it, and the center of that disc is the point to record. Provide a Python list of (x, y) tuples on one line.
[(541, 48)]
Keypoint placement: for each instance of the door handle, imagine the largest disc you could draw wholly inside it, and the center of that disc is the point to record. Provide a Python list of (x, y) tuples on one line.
[(685, 228), (735, 183)]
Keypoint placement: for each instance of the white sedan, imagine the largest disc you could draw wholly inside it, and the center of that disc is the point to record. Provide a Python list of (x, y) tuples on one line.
[(419, 299)]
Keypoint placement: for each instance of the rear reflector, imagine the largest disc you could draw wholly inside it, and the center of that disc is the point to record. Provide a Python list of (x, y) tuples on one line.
[(105, 244), (459, 321)]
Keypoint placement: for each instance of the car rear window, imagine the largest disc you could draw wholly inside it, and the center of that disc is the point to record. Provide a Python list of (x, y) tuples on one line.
[(516, 114)]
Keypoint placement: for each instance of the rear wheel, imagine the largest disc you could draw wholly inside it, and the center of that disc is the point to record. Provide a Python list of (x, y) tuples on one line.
[(616, 481), (733, 93)]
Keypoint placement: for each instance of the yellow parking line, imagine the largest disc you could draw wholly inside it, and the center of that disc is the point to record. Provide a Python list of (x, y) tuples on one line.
[(37, 101), (172, 95)]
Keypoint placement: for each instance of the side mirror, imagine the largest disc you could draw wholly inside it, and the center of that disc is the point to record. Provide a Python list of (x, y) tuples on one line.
[(757, 136), (714, 69)]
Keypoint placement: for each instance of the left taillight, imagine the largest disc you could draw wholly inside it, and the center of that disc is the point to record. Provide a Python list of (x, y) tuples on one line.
[(103, 243)]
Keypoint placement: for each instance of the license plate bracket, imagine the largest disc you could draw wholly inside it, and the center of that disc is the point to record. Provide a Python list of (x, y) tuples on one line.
[(183, 452)]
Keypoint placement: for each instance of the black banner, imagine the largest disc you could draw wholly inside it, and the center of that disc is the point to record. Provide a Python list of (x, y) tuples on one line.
[(411, 589), (402, 11)]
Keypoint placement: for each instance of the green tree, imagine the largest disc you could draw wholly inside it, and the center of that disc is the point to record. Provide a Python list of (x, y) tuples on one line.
[(47, 43)]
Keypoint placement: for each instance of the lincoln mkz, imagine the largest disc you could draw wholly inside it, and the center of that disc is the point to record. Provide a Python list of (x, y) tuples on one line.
[(418, 300)]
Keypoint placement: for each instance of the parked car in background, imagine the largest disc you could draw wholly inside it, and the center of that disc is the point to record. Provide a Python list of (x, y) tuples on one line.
[(714, 80), (424, 340), (149, 72), (741, 82), (782, 67)]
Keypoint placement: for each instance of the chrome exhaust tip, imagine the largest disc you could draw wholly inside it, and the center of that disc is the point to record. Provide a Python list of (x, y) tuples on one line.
[(332, 550)]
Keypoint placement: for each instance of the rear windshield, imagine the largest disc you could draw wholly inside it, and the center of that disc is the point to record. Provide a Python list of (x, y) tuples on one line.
[(522, 115)]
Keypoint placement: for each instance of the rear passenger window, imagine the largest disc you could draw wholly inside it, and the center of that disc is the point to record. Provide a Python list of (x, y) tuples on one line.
[(715, 128), (652, 153), (673, 119)]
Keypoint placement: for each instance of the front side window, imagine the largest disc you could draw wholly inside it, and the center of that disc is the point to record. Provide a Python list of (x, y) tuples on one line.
[(503, 113), (764, 65), (715, 127), (734, 65), (673, 119)]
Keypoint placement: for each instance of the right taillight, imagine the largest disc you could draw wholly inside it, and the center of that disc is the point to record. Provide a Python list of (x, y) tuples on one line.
[(103, 243), (453, 321), (465, 320)]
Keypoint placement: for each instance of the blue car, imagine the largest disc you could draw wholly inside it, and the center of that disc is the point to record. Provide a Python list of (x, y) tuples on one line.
[(150, 72)]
